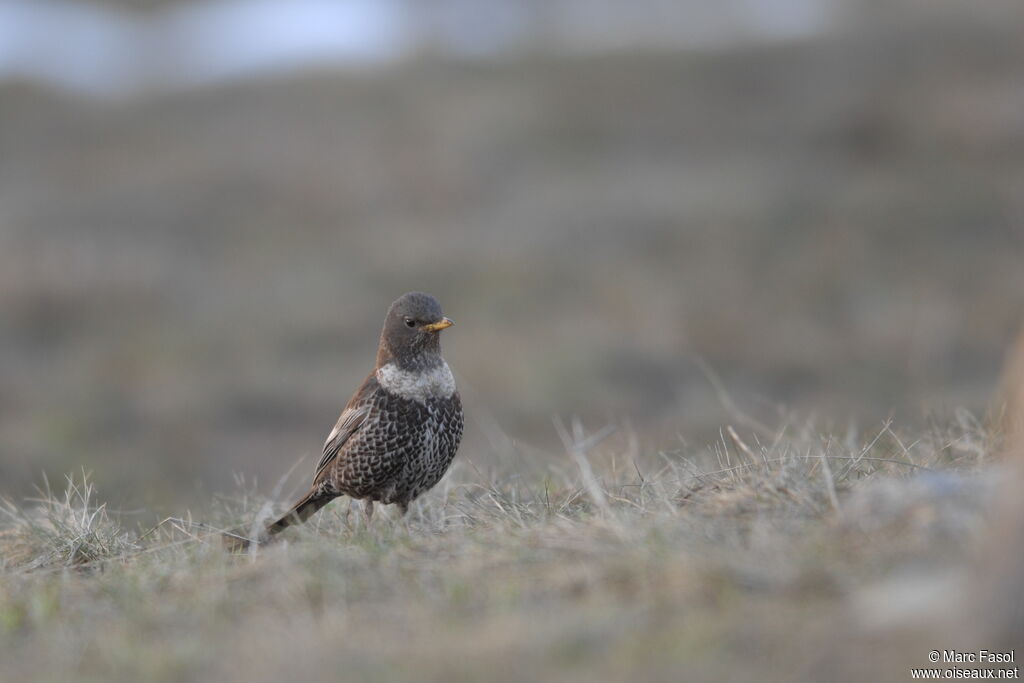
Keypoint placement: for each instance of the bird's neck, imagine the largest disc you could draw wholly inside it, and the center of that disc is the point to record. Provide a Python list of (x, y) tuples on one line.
[(412, 361), (418, 359)]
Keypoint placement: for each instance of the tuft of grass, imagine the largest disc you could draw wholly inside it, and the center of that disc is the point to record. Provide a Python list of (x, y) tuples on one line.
[(62, 530)]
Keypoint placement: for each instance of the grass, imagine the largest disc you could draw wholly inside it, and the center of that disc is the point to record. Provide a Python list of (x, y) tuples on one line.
[(68, 530), (757, 557)]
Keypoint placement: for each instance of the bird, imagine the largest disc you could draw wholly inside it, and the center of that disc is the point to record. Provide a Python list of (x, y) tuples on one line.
[(398, 433)]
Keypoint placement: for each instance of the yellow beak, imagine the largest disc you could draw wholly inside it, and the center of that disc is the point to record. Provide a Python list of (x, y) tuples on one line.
[(438, 326)]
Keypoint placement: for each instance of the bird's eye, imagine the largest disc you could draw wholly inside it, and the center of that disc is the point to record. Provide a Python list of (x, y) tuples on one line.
[(409, 322)]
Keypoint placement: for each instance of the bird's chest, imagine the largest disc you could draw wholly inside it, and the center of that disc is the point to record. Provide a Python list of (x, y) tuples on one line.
[(431, 433), (426, 431)]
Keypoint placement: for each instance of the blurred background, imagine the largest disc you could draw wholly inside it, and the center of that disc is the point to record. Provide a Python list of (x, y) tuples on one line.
[(206, 207)]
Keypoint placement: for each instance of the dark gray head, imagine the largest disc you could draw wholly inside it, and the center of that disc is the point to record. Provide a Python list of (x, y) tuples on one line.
[(412, 331)]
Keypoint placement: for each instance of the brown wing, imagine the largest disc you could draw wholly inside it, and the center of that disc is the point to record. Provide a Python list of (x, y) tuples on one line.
[(351, 419)]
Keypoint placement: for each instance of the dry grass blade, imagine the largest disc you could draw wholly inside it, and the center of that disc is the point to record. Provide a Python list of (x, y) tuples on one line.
[(577, 447)]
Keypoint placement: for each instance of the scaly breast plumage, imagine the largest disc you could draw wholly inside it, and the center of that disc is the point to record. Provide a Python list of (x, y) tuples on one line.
[(404, 448)]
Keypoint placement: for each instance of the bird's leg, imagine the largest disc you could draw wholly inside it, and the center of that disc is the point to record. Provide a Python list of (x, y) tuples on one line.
[(347, 514), (403, 512), (368, 507)]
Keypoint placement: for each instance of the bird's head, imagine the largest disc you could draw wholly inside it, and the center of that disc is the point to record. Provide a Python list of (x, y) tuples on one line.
[(412, 331)]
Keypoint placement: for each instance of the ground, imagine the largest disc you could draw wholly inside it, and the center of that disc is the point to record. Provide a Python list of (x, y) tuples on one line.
[(790, 560)]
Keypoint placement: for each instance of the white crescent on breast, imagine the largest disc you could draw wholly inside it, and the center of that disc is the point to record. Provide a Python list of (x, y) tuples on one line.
[(436, 382)]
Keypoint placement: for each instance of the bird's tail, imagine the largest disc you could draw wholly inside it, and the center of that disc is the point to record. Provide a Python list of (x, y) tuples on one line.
[(300, 512)]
